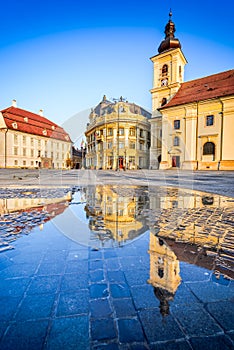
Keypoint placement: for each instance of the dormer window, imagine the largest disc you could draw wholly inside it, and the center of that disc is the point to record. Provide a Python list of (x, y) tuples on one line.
[(53, 127), (14, 125), (26, 119), (44, 132), (66, 137)]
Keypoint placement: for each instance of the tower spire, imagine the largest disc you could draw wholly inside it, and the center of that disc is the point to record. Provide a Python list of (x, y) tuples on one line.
[(170, 42)]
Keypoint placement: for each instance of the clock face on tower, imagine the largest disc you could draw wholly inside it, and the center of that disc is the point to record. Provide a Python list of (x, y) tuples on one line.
[(164, 82)]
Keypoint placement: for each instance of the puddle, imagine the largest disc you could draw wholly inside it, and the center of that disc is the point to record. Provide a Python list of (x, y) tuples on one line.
[(177, 242)]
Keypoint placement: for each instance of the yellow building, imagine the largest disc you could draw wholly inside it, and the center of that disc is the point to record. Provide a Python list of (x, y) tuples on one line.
[(118, 136), (29, 140), (192, 122)]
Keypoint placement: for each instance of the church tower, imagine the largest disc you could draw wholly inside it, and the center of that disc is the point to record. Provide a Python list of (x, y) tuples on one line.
[(168, 74)]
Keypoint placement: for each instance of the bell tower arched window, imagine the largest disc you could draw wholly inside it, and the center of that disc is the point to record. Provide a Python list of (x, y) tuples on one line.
[(164, 70), (164, 101)]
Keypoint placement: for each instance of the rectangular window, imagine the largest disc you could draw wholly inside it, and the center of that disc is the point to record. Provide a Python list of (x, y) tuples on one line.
[(32, 163), (16, 162), (132, 132), (132, 145), (109, 145), (24, 152), (176, 124), (141, 133), (132, 160), (209, 120), (24, 140), (39, 143), (39, 153), (24, 162), (110, 132), (32, 153), (15, 139), (32, 142), (121, 145), (121, 131)]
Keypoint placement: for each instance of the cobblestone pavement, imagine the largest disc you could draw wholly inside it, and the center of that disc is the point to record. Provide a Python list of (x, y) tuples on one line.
[(58, 294), (221, 182)]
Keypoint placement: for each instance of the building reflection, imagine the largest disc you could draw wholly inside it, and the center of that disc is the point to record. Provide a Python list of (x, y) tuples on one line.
[(114, 212), (19, 215), (188, 227)]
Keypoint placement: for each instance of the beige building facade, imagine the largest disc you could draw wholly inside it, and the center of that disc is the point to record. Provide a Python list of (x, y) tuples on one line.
[(192, 122), (29, 140), (118, 136)]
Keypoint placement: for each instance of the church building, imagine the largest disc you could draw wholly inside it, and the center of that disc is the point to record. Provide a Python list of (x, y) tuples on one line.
[(192, 125)]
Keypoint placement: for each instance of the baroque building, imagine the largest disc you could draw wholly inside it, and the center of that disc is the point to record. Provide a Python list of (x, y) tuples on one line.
[(192, 122), (118, 136), (29, 140)]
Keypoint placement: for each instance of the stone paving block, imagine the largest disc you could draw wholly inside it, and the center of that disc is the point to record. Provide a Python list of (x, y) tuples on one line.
[(44, 284), (74, 282), (8, 307), (172, 345), (116, 277), (130, 331), (95, 254), (78, 255), (211, 291), (48, 269), (100, 308), (110, 253), (96, 276), (35, 307), (191, 272), (14, 287), (96, 264), (119, 290), (219, 342), (111, 346), (130, 263), (195, 320), (184, 295), (159, 328), (137, 277), (143, 297), (25, 335), (113, 264), (18, 270), (138, 347), (99, 291), (73, 303), (103, 329), (223, 312), (3, 327), (124, 308), (69, 333), (77, 267)]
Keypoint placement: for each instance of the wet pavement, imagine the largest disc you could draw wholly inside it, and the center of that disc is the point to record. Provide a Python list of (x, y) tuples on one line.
[(115, 267)]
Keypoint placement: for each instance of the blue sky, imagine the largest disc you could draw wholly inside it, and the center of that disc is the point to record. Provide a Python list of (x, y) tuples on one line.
[(63, 56)]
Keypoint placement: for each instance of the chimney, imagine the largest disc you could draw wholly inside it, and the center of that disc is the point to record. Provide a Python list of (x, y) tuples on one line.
[(41, 112), (14, 104)]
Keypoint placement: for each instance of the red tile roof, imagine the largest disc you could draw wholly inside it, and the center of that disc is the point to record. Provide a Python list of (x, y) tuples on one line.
[(213, 86), (31, 123)]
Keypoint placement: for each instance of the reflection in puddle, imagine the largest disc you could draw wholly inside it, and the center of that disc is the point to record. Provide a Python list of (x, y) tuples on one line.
[(185, 226)]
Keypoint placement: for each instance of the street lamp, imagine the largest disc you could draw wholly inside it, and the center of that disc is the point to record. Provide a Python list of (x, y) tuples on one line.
[(121, 99)]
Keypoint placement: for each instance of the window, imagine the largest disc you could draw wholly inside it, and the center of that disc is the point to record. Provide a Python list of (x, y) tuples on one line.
[(39, 143), (121, 131), (141, 146), (24, 152), (132, 145), (109, 145), (24, 140), (176, 124), (32, 153), (141, 133), (209, 120), (132, 160), (110, 132), (209, 148), (16, 162), (132, 132), (32, 142), (121, 145), (164, 70), (16, 139), (39, 153), (31, 162), (176, 141), (24, 162), (164, 101)]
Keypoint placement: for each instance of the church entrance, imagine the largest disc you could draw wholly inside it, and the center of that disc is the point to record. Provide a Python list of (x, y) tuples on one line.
[(175, 161)]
